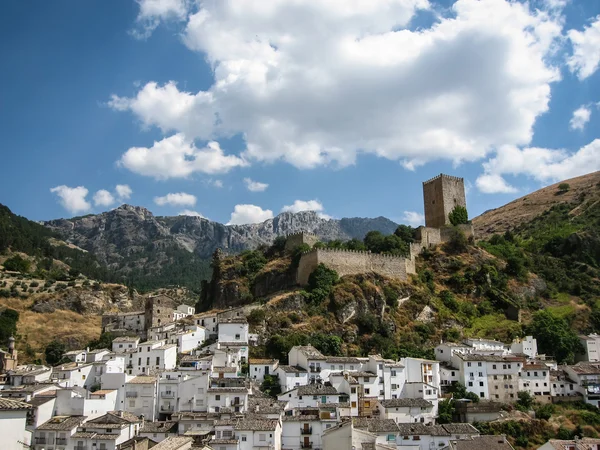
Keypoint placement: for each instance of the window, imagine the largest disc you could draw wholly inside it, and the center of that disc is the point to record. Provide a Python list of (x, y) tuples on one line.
[(453, 374), (351, 367), (471, 374), (332, 367), (468, 364), (353, 390), (341, 367), (394, 386), (393, 373), (353, 404), (416, 438), (158, 360), (217, 397), (243, 438), (481, 394), (367, 404), (479, 364), (481, 383), (367, 391), (504, 366), (495, 377), (480, 374), (237, 336), (470, 384), (494, 367)]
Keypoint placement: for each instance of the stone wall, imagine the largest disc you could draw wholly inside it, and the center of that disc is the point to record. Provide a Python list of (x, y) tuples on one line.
[(347, 262), (297, 239), (440, 195), (159, 310), (429, 237)]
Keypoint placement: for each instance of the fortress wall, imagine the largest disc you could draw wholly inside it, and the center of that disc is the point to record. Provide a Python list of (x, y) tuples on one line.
[(296, 240), (346, 262), (428, 236)]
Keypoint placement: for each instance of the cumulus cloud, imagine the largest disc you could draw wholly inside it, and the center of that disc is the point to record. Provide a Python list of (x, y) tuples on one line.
[(581, 116), (177, 157), (189, 212), (153, 11), (307, 205), (255, 186), (315, 82), (413, 218), (103, 198), (586, 50), (218, 184), (244, 214), (72, 199), (123, 191), (491, 183), (542, 164), (176, 199)]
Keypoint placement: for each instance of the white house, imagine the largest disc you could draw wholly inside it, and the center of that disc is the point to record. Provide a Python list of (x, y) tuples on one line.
[(535, 379), (230, 393), (191, 339), (79, 402), (76, 356), (526, 346), (153, 355), (124, 343), (107, 431), (258, 368), (309, 358), (208, 320), (29, 374), (587, 378), (96, 355), (591, 348), (291, 377), (259, 434), (58, 431), (311, 395), (13, 420), (73, 375), (406, 410), (302, 430), (141, 396)]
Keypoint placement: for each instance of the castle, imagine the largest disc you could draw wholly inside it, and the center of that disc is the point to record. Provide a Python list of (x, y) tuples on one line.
[(440, 195)]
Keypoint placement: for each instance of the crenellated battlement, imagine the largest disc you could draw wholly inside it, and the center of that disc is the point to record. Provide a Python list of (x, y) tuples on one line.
[(295, 240), (443, 175)]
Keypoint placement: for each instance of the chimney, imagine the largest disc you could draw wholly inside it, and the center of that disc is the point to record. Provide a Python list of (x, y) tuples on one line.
[(120, 413), (11, 345)]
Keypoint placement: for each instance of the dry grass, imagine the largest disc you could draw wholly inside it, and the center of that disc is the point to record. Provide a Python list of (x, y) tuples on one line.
[(38, 330)]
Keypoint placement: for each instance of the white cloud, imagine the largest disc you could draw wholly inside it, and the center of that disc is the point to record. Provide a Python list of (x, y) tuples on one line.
[(176, 199), (72, 199), (581, 116), (255, 186), (542, 164), (103, 198), (315, 82), (178, 157), (302, 205), (586, 50), (153, 11), (123, 191), (489, 183), (218, 184), (244, 214), (189, 212), (413, 218)]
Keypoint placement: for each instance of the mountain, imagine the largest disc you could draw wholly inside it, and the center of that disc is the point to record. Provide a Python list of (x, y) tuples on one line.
[(133, 243), (527, 208)]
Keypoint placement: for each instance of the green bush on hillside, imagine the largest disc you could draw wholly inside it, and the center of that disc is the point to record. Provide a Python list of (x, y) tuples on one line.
[(458, 215)]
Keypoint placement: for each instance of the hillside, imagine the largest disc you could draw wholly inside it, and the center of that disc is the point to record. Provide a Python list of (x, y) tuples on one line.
[(148, 251), (529, 207)]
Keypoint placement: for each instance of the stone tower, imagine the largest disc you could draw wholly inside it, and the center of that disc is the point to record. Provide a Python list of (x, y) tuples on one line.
[(440, 195)]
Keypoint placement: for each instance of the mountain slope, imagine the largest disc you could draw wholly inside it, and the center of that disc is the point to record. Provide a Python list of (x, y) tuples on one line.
[(527, 208), (150, 251)]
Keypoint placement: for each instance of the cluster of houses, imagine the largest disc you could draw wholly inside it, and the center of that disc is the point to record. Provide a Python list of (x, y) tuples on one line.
[(175, 380)]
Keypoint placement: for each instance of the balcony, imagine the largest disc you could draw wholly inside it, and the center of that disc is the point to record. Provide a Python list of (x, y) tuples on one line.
[(314, 369), (42, 440), (237, 403), (306, 444), (61, 441), (167, 394), (131, 394), (167, 408), (306, 430)]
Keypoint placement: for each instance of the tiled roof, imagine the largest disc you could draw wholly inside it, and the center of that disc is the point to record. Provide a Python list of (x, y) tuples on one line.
[(8, 404), (479, 442), (173, 443), (460, 428), (584, 368), (489, 358), (300, 418), (406, 403), (292, 369), (345, 360), (225, 369), (159, 427), (126, 339), (262, 361), (62, 423), (375, 425), (316, 389), (310, 352), (419, 429), (257, 424), (142, 380), (580, 444)]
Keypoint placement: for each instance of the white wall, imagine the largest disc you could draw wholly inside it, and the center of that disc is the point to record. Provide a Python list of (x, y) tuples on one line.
[(12, 429)]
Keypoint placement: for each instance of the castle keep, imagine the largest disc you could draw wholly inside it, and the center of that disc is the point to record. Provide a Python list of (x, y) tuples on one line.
[(440, 195)]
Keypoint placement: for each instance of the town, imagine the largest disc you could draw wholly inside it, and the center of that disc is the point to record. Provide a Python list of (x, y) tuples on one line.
[(178, 380)]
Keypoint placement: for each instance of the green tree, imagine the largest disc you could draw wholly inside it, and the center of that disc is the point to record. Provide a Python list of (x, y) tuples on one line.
[(104, 341), (17, 264), (457, 243), (406, 233), (374, 241), (525, 401), (554, 336), (564, 187), (445, 411), (458, 215), (54, 352), (271, 386), (8, 324), (328, 344)]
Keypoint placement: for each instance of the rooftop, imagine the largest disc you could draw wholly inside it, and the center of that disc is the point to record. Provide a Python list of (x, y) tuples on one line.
[(309, 352), (406, 403), (62, 423), (256, 425), (580, 444), (126, 339), (345, 360), (586, 368), (142, 379), (292, 369), (7, 404), (159, 427), (479, 442), (262, 361), (375, 425), (173, 443), (316, 389)]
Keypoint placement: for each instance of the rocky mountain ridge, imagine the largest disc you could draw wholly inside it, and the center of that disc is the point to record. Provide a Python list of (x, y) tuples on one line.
[(128, 230)]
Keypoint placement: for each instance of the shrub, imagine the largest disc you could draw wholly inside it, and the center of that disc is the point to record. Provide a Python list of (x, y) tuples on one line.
[(71, 283), (457, 243), (525, 401), (256, 316), (4, 293), (458, 215), (54, 352), (564, 187), (17, 264), (449, 300), (34, 284)]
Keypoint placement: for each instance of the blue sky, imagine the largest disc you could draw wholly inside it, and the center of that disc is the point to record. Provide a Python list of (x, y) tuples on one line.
[(240, 110)]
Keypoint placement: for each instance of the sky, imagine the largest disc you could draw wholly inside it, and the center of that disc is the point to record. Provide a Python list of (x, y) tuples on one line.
[(237, 110)]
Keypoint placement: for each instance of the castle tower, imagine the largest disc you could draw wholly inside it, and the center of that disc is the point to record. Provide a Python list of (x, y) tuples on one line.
[(440, 195)]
